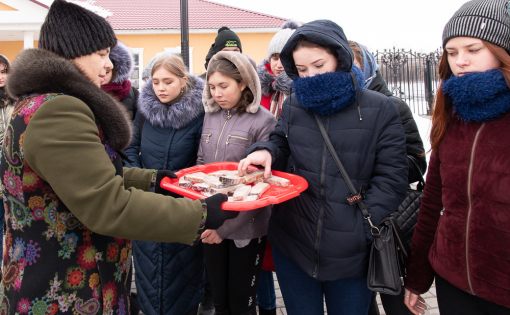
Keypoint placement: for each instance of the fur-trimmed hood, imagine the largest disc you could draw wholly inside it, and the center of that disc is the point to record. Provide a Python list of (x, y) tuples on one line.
[(176, 115), (269, 83), (247, 68), (38, 71), (122, 62)]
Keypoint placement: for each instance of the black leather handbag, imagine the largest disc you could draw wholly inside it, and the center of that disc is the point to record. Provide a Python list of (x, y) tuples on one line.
[(406, 215), (386, 266)]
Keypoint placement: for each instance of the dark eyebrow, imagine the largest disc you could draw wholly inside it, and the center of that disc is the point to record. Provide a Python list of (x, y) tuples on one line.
[(315, 61)]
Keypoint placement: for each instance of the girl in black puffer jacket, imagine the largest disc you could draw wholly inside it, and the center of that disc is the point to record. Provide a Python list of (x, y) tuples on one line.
[(320, 242)]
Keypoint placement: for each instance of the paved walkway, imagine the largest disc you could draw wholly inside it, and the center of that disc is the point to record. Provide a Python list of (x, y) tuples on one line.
[(430, 298)]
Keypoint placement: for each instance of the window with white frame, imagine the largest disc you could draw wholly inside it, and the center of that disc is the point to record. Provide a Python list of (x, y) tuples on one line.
[(177, 50)]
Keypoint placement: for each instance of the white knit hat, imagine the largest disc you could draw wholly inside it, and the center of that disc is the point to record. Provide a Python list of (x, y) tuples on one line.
[(281, 37)]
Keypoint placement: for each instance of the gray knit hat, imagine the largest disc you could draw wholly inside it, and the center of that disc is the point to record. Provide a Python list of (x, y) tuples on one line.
[(488, 20)]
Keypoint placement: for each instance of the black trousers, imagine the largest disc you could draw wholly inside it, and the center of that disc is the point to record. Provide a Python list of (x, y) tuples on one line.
[(392, 304), (232, 273), (453, 301)]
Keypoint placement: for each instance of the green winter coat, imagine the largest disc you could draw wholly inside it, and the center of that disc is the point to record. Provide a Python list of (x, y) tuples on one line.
[(70, 207)]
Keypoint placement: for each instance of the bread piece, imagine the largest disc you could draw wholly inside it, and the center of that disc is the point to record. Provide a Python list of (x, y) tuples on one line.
[(259, 188), (213, 181), (231, 179), (278, 181), (197, 177), (228, 190), (241, 192), (200, 187), (184, 183), (253, 177)]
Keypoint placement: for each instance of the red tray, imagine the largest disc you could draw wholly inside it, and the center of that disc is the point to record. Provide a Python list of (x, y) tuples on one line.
[(273, 195)]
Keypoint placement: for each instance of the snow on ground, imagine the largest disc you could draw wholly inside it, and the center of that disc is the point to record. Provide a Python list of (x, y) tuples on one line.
[(424, 123)]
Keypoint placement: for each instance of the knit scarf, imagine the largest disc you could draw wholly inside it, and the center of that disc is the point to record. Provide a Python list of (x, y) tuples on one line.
[(118, 90), (479, 96), (327, 93)]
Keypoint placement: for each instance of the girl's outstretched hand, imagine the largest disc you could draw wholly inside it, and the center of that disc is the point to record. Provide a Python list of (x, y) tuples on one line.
[(260, 157)]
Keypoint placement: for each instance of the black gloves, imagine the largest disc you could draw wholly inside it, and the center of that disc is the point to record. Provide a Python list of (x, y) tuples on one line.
[(216, 216), (159, 176)]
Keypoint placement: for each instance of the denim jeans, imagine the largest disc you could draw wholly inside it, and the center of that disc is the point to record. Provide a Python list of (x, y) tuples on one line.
[(304, 295), (266, 298)]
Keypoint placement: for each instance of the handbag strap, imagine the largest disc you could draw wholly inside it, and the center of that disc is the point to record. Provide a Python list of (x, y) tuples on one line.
[(355, 197)]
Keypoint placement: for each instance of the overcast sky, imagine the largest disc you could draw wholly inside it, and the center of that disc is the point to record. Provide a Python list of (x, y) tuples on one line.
[(377, 24)]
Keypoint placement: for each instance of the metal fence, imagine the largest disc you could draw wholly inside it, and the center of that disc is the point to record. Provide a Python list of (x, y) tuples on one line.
[(411, 76)]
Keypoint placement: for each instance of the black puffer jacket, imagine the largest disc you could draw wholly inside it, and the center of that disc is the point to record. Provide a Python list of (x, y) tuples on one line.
[(414, 144), (318, 230)]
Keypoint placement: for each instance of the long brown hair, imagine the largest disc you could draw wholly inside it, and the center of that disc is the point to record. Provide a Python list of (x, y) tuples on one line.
[(443, 112)]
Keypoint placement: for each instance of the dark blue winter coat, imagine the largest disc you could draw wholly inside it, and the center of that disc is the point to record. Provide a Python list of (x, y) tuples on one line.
[(319, 230), (169, 277)]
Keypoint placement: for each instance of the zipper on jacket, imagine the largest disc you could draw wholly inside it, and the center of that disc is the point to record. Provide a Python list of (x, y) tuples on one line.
[(228, 115), (470, 205), (208, 137), (235, 137), (318, 233)]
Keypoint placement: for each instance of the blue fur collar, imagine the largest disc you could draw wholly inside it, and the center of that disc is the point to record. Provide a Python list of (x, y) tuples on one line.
[(176, 115), (479, 96), (327, 93)]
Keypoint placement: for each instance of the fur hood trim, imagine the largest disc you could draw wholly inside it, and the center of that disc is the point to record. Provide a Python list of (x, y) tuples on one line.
[(271, 84), (247, 68), (122, 62), (175, 115), (38, 71)]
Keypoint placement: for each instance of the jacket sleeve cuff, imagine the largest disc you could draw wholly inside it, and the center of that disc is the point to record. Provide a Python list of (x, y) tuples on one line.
[(201, 227), (420, 274)]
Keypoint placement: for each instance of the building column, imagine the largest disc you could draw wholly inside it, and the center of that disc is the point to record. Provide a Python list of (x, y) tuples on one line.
[(28, 39)]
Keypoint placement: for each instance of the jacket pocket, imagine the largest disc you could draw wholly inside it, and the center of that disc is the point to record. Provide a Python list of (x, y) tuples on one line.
[(206, 137), (238, 140)]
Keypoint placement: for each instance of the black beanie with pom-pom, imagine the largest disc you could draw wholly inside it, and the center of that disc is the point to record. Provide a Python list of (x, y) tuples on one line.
[(225, 38)]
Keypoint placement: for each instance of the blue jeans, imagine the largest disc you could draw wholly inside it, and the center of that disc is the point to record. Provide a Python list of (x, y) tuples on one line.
[(304, 295), (266, 298)]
